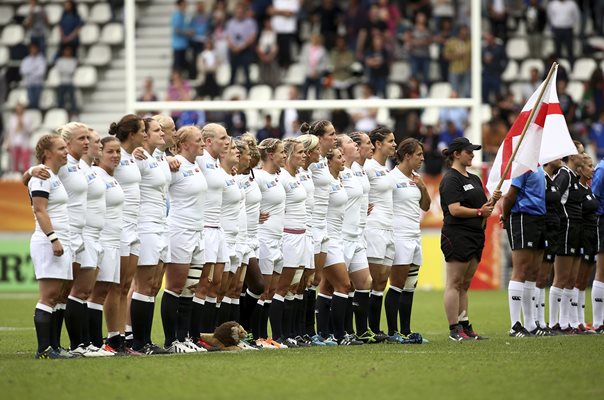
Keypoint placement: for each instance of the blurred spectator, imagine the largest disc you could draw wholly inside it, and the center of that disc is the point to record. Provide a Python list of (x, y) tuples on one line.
[(419, 40), (457, 115), (531, 86), (328, 15), (180, 36), (596, 136), (17, 140), (207, 64), (563, 16), (494, 62), (377, 62), (389, 13), (365, 118), (355, 17), (567, 104), (442, 10), (290, 118), (449, 133), (341, 120), (497, 11), (37, 25), (219, 39), (235, 122), (493, 134), (33, 73), (285, 23), (199, 28), (315, 62), (148, 95), (241, 32), (66, 65), (413, 7), (178, 90), (268, 130), (267, 51), (191, 117), (69, 26), (433, 158), (446, 31), (260, 10), (593, 97), (457, 52), (562, 72), (595, 10), (407, 120), (375, 25), (536, 19), (341, 60)]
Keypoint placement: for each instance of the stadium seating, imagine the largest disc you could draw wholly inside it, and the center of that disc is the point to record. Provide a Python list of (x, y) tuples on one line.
[(517, 48), (12, 34), (100, 13), (112, 34), (98, 55), (85, 76), (4, 55), (583, 69), (261, 93), (575, 90), (55, 117), (89, 34), (234, 91), (6, 14)]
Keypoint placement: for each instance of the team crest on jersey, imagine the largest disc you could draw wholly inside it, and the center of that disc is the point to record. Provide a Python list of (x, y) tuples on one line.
[(73, 169), (188, 173), (271, 184), (380, 173), (245, 185), (90, 177), (109, 185), (467, 187), (153, 164), (211, 166), (229, 182), (293, 185), (125, 162), (54, 184), (304, 177), (359, 173), (347, 176), (401, 185), (336, 187), (588, 197)]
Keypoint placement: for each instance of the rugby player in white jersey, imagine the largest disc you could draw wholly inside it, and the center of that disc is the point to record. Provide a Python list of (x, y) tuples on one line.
[(270, 232), (410, 198), (185, 227), (109, 264), (378, 233), (49, 246), (203, 316)]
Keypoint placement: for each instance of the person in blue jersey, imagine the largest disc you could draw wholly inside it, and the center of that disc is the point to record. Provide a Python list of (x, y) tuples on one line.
[(553, 204), (568, 258), (465, 206), (597, 289), (523, 214)]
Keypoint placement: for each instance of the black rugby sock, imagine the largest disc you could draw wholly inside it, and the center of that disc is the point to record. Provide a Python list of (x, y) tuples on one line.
[(405, 312), (95, 325), (224, 312), (183, 317), (348, 324), (255, 319), (339, 303), (169, 316), (310, 299), (323, 315), (375, 312), (43, 324), (391, 303), (196, 317), (276, 316), (264, 319), (288, 317), (74, 320), (361, 308)]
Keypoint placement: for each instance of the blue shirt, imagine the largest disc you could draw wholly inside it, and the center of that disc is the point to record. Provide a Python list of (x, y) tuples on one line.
[(596, 134), (531, 193), (597, 186), (179, 25), (199, 25)]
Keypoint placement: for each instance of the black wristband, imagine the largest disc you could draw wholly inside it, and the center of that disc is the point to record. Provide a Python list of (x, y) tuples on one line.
[(54, 240), (50, 233)]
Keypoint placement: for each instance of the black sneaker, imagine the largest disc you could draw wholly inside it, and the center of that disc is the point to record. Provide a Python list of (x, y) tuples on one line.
[(380, 337), (469, 331), (519, 331), (457, 334), (52, 354), (151, 349), (538, 331), (349, 340), (600, 330), (302, 342)]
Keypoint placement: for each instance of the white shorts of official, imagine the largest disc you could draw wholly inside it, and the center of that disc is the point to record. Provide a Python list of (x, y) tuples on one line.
[(233, 262), (335, 252), (355, 255), (109, 268), (186, 246), (320, 239), (46, 264), (294, 250), (76, 244), (91, 256), (129, 240), (408, 251), (244, 253), (215, 246), (380, 246), (270, 257), (309, 251), (155, 247)]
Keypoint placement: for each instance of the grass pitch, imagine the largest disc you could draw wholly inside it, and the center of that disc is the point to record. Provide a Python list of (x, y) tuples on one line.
[(502, 367)]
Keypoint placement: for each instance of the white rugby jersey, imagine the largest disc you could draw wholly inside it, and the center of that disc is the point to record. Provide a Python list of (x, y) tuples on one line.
[(273, 202), (295, 205), (242, 235), (406, 197), (336, 208), (54, 190), (162, 159), (232, 198), (114, 202), (322, 180), (380, 195), (187, 191), (73, 179), (359, 172), (152, 216), (214, 175), (351, 229), (253, 196), (129, 177), (95, 202), (305, 177)]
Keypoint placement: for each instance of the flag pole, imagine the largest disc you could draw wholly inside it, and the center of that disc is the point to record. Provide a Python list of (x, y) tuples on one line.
[(528, 122)]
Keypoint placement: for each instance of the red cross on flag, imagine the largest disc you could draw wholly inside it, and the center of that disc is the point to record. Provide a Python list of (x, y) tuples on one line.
[(546, 138)]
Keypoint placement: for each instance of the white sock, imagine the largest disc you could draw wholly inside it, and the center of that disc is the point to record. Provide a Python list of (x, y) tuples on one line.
[(574, 308), (581, 306), (555, 298), (567, 295), (541, 307), (515, 290), (597, 303), (528, 305)]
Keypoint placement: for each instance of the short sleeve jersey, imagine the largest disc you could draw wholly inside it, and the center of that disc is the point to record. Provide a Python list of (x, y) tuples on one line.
[(231, 204), (465, 190), (531, 193), (597, 185), (337, 206), (380, 195), (351, 226), (129, 177), (162, 159), (552, 201), (295, 205), (589, 207), (406, 197), (568, 183), (322, 182), (152, 217), (242, 236), (187, 196), (114, 202), (273, 203), (253, 196), (215, 180), (75, 183), (95, 202), (360, 173), (305, 177), (53, 190)]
